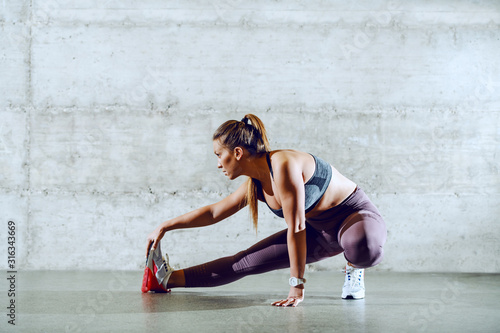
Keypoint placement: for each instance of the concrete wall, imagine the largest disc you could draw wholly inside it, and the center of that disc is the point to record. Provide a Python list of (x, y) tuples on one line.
[(108, 107)]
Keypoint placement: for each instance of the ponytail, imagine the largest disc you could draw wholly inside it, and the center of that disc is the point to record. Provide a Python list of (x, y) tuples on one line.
[(253, 137)]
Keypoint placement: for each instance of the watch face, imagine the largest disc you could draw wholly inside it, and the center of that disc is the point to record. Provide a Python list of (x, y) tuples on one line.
[(293, 281)]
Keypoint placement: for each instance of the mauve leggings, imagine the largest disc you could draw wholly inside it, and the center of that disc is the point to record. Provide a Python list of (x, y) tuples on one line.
[(354, 227)]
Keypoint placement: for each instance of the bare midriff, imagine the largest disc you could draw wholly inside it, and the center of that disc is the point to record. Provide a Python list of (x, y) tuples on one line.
[(339, 189)]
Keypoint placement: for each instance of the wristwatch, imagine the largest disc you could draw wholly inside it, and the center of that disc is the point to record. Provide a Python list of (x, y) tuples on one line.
[(294, 282)]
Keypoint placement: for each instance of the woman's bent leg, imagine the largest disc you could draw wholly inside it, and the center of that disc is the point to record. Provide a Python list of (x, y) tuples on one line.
[(362, 236)]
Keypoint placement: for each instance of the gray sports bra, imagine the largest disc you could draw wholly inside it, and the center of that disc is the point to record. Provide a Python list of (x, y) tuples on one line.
[(314, 188)]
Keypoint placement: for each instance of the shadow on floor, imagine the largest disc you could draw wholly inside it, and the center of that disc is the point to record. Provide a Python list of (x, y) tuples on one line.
[(105, 302), (182, 301)]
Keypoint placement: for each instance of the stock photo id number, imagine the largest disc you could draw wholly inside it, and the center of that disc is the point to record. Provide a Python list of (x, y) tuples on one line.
[(11, 273)]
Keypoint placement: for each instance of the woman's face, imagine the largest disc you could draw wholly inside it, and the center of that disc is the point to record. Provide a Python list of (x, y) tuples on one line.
[(227, 161)]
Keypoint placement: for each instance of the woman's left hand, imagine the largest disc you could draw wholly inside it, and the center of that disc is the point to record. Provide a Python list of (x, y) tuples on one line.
[(295, 296)]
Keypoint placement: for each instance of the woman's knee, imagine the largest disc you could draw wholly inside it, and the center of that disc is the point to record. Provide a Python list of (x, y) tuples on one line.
[(364, 254), (363, 238)]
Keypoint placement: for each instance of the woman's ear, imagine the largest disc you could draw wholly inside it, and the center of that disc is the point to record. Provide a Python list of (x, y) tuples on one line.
[(238, 153)]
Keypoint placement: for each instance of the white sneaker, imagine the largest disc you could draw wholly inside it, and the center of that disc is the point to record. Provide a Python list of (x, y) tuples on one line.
[(354, 284)]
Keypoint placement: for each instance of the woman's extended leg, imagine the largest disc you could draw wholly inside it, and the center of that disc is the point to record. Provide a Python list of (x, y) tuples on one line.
[(177, 279), (267, 255)]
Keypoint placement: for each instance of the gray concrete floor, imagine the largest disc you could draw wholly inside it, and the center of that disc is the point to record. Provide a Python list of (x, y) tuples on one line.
[(54, 301)]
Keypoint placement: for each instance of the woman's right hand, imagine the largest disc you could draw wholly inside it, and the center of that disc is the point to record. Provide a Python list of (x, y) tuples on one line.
[(154, 238)]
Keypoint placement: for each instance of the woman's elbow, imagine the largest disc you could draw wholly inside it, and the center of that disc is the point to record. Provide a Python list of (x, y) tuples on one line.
[(298, 227)]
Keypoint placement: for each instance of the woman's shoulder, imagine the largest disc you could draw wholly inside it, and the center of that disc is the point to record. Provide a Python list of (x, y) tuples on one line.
[(292, 159), (289, 155)]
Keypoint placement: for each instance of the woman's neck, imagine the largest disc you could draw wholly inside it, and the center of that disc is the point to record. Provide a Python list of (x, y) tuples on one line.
[(257, 168)]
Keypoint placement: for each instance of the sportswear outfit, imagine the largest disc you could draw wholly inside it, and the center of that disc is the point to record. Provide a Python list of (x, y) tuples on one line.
[(354, 227)]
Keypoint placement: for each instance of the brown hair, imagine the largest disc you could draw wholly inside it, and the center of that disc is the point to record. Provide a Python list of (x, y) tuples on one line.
[(253, 137)]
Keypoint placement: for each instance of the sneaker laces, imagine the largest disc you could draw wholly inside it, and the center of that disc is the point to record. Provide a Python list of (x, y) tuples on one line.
[(164, 271), (353, 275)]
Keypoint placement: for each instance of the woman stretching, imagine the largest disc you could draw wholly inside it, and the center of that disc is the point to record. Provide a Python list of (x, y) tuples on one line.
[(326, 214)]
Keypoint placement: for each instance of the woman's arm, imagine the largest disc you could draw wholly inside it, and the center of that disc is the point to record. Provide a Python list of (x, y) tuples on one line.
[(290, 184), (201, 217)]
